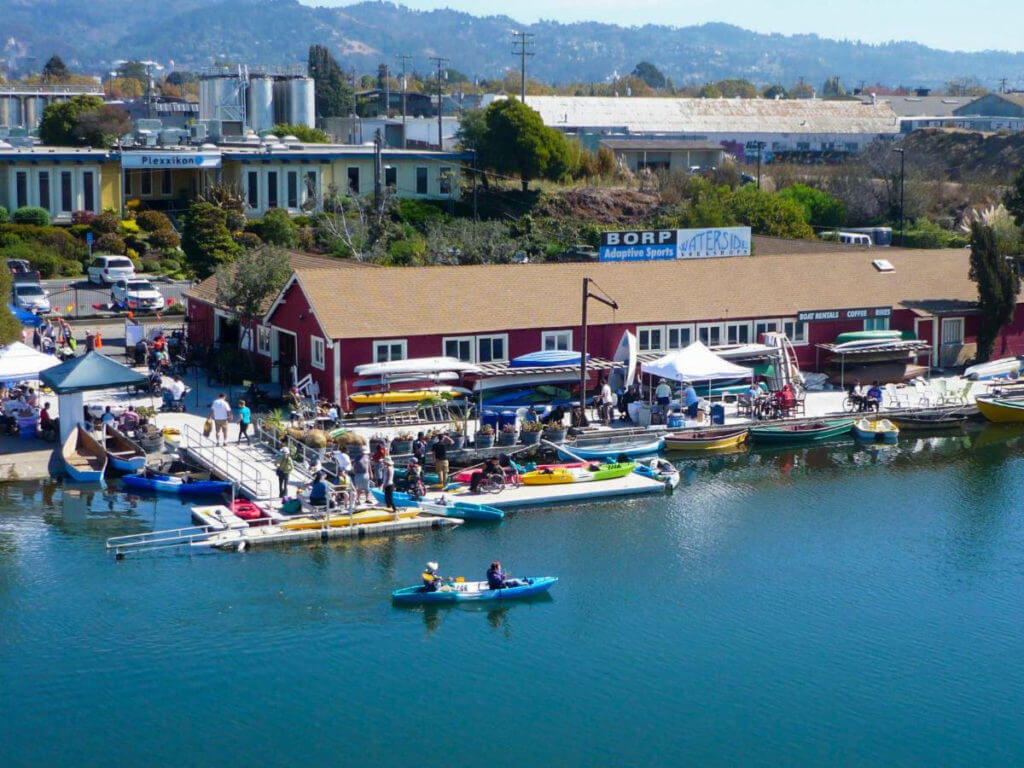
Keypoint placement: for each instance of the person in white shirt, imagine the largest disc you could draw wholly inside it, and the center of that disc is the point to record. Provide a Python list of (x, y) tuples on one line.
[(220, 412), (607, 402), (178, 389), (342, 460)]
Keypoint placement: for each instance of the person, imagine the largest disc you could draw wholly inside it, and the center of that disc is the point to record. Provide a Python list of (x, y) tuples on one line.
[(663, 396), (419, 448), (361, 475), (90, 341), (414, 479), (495, 576), (108, 417), (284, 468), (432, 580), (377, 463), (531, 414), (857, 396), (320, 491), (556, 417), (177, 389), (332, 413), (47, 424), (785, 399), (691, 399), (441, 458), (244, 420), (342, 462), (342, 492), (220, 412), (129, 419), (607, 402), (874, 397), (491, 467), (141, 352), (388, 483)]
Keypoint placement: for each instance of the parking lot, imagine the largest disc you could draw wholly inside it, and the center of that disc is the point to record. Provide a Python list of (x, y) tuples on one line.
[(77, 297)]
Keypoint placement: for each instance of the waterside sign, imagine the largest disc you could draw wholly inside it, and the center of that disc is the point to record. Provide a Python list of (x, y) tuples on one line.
[(170, 160), (841, 315), (663, 244)]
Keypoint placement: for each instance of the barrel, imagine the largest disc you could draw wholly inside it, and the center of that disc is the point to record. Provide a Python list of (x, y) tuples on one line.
[(27, 426), (506, 418), (490, 417), (675, 420), (718, 414)]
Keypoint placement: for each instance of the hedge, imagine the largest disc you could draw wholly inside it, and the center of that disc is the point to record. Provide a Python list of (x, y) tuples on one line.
[(31, 214)]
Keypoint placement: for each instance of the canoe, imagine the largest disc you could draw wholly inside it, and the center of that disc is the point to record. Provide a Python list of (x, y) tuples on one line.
[(545, 358), (123, 453), (440, 505), (472, 591), (1006, 366), (706, 440), (379, 381), (341, 519), (182, 486), (1000, 410), (612, 450), (812, 432), (658, 469), (876, 430), (848, 336), (415, 365), (84, 458)]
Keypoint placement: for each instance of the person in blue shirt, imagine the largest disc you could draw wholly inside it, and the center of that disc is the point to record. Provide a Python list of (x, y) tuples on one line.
[(692, 401), (320, 493), (244, 420), (874, 398)]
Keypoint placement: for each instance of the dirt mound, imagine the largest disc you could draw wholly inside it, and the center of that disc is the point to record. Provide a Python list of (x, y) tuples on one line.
[(609, 206), (965, 156)]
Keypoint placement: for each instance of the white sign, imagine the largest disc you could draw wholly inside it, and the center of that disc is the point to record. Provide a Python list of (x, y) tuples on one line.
[(653, 245), (170, 160), (711, 243)]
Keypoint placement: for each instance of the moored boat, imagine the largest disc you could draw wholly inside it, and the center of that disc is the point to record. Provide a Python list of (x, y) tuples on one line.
[(612, 450), (84, 458), (441, 505), (158, 482), (591, 472), (934, 420), (404, 395), (1000, 410), (876, 430), (1004, 367), (473, 591), (706, 440), (808, 432), (658, 469), (123, 453)]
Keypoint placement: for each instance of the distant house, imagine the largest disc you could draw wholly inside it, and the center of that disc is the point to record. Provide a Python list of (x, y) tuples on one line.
[(664, 154), (923, 110)]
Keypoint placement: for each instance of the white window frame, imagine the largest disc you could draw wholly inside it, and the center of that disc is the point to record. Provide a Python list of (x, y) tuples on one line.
[(469, 341), (797, 340), (650, 331), (737, 325), (492, 337), (761, 326), (709, 327), (876, 323), (556, 338), (687, 327), (389, 344), (263, 340), (317, 352)]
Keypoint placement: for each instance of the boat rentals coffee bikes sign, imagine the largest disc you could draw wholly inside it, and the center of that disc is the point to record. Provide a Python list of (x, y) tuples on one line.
[(659, 244)]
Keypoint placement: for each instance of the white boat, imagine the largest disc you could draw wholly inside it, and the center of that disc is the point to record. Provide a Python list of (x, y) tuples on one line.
[(523, 380), (425, 365), (624, 373), (994, 369)]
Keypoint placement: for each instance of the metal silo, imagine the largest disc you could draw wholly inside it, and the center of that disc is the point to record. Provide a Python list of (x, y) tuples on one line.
[(302, 102), (31, 112), (261, 103), (5, 111), (222, 96)]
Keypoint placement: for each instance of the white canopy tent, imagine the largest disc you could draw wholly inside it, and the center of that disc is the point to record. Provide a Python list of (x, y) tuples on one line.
[(696, 362), (19, 362)]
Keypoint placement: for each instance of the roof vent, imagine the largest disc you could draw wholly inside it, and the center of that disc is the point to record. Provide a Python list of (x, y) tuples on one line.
[(883, 265)]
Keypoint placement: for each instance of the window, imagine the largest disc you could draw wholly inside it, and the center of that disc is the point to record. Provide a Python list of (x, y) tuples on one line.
[(311, 186), (44, 189), (263, 340), (554, 340), (421, 181), (737, 333), (492, 349), (66, 202), (293, 189), (21, 188), (318, 351), (460, 347), (146, 185), (650, 337), (88, 192), (353, 181), (386, 351), (127, 183), (876, 324), (710, 335), (165, 183), (764, 326), (272, 189), (445, 180), (253, 192), (390, 176), (679, 336), (795, 330)]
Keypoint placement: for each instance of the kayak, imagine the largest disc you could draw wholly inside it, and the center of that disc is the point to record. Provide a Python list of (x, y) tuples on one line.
[(612, 450), (545, 358), (589, 473), (465, 510), (341, 519), (472, 591), (658, 469), (403, 395), (172, 484)]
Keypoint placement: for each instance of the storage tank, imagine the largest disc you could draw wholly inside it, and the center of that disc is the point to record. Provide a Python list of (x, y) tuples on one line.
[(302, 102), (15, 113), (282, 100), (261, 103), (220, 97), (5, 111), (31, 112)]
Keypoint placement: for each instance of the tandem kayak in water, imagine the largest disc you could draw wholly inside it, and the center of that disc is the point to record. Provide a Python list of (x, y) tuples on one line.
[(472, 591), (156, 482)]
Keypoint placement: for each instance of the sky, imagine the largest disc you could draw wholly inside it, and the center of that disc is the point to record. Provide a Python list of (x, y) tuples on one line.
[(974, 26)]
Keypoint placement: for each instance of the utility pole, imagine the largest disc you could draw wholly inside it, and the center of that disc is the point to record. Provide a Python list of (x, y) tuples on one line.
[(440, 133), (1002, 85), (607, 301), (760, 146), (386, 73), (378, 170), (405, 59), (522, 47)]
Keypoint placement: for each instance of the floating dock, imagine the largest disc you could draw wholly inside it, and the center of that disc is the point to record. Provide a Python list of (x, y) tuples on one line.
[(546, 495)]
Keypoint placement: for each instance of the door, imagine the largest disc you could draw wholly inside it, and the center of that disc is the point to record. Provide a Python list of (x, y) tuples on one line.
[(924, 330), (952, 341), (285, 358)]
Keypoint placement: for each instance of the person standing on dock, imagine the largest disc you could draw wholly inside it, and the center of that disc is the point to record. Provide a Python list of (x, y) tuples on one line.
[(284, 467), (663, 396), (244, 420), (361, 476), (388, 483), (220, 412), (607, 402), (441, 458)]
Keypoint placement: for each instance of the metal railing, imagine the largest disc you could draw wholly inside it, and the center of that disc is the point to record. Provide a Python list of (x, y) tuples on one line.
[(154, 540), (238, 470), (306, 454)]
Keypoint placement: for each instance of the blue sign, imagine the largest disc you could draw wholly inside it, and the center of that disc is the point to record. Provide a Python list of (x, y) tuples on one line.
[(662, 244), (88, 237)]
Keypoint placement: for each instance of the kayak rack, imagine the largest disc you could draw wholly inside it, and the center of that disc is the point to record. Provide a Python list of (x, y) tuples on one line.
[(152, 541)]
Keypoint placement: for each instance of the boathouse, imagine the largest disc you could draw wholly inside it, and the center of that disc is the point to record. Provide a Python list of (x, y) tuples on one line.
[(334, 315)]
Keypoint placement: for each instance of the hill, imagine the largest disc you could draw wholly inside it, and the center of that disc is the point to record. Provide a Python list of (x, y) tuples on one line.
[(92, 34)]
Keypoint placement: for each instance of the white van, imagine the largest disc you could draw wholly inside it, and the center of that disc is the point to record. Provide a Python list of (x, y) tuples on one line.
[(105, 270)]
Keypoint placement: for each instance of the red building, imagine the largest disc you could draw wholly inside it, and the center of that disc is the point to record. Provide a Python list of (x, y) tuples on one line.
[(334, 315)]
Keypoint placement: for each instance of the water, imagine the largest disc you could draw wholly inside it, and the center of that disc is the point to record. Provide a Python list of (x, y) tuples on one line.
[(832, 606)]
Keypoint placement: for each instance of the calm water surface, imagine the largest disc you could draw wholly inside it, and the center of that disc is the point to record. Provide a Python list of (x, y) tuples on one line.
[(832, 606)]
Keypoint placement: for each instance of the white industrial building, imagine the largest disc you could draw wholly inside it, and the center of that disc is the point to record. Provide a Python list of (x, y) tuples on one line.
[(784, 128)]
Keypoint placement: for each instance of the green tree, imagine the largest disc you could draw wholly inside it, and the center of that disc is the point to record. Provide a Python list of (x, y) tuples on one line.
[(769, 214), (246, 284), (102, 127), (10, 328), (205, 238), (801, 91), (472, 128), (831, 89), (709, 91), (60, 119), (134, 70), (55, 70), (820, 208), (650, 74), (1014, 199), (303, 133), (277, 228), (737, 87), (774, 92), (998, 286), (334, 97), (517, 141)]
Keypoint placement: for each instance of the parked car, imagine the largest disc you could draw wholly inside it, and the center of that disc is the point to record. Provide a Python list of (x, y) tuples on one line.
[(579, 252), (30, 296), (22, 271), (136, 293), (109, 269)]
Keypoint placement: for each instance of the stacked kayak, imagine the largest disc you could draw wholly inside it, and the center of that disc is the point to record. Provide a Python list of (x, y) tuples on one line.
[(472, 591), (182, 486)]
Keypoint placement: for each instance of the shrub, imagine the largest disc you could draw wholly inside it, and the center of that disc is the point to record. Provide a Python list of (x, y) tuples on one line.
[(4, 215), (108, 242), (236, 221), (78, 231), (248, 240), (277, 228), (82, 217), (8, 239), (136, 243), (63, 244), (31, 214), (170, 265), (70, 268), (130, 227), (150, 264), (302, 221), (164, 239), (105, 223), (153, 221)]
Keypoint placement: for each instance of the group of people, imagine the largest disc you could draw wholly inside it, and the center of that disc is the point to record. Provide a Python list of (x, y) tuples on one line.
[(54, 337), (20, 403), (866, 400), (433, 581), (690, 400), (220, 414)]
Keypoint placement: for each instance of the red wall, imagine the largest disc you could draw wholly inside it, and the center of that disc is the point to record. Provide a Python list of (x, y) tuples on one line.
[(294, 314)]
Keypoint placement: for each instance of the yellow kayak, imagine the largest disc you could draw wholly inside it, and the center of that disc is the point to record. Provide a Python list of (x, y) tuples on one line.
[(341, 519), (548, 477), (398, 396)]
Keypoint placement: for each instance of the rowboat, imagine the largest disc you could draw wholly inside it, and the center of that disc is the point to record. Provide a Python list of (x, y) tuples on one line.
[(661, 470), (176, 484), (876, 430), (612, 450), (706, 440), (465, 510), (1000, 410), (812, 432), (84, 457), (933, 421), (994, 369), (123, 453), (341, 519), (472, 591)]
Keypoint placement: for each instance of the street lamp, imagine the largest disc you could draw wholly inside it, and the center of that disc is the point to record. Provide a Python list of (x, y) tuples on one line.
[(902, 153)]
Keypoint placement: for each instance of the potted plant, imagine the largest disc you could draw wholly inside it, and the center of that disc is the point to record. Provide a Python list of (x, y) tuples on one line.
[(485, 437), (401, 445), (554, 433), (531, 432), (457, 432), (507, 436)]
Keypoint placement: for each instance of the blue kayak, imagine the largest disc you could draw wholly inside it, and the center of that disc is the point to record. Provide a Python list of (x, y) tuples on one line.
[(612, 450), (465, 510), (547, 357), (171, 484), (472, 591)]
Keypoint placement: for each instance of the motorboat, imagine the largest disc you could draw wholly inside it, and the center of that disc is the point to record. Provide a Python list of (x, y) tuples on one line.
[(472, 591), (876, 430), (1000, 410)]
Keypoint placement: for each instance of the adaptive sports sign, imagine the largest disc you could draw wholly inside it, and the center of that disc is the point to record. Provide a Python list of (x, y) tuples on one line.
[(170, 160), (659, 244), (832, 315)]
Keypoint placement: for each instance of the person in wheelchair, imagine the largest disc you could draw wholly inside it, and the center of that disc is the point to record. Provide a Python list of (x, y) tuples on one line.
[(491, 469)]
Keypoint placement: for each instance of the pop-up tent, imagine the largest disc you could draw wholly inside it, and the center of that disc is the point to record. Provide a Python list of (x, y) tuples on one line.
[(18, 361), (696, 362)]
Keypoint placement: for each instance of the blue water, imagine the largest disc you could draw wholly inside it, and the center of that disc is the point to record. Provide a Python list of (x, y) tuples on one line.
[(832, 606)]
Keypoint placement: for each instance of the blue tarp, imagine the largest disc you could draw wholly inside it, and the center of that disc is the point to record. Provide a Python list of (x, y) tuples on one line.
[(23, 316), (93, 371)]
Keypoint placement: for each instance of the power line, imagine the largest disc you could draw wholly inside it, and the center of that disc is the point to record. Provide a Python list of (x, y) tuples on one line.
[(522, 47)]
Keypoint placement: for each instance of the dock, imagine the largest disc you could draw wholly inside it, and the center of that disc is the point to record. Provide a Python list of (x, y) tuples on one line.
[(547, 495)]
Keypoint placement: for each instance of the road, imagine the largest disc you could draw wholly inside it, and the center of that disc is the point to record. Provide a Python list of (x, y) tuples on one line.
[(76, 298)]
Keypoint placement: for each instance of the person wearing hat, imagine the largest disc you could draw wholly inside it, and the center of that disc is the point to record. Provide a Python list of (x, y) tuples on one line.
[(284, 467), (663, 396), (320, 491), (388, 483), (361, 475), (432, 580)]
